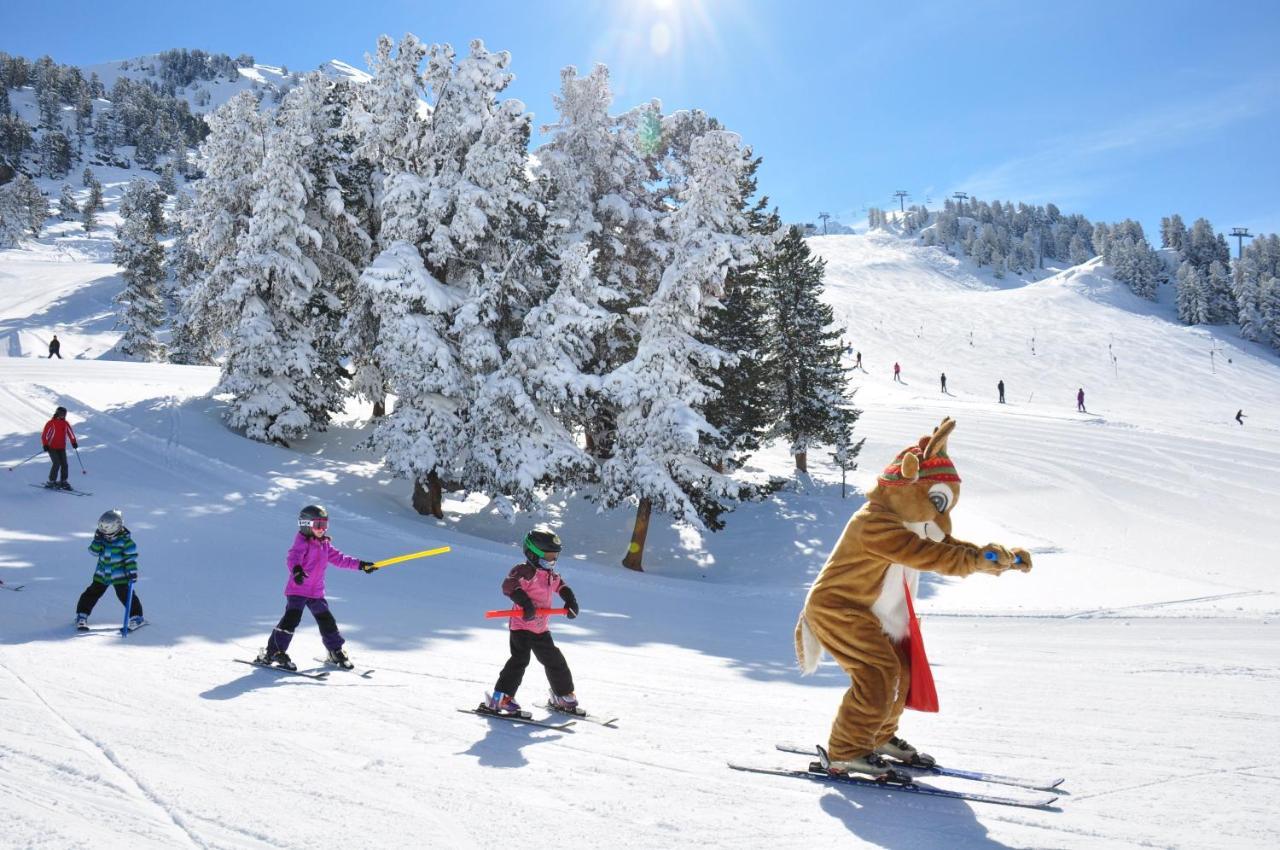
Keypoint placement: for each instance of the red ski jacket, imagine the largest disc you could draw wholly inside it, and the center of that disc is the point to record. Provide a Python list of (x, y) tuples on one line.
[(55, 434)]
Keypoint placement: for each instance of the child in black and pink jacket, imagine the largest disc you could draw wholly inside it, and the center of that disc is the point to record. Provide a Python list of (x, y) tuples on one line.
[(530, 585)]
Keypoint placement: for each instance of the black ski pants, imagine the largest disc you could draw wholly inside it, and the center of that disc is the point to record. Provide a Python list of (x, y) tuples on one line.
[(94, 592), (524, 642), (59, 458)]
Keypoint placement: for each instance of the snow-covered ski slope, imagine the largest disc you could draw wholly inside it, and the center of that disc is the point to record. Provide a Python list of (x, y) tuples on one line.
[(1138, 658)]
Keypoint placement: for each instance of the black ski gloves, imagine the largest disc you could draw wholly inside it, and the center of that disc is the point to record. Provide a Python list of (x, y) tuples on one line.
[(367, 566), (45, 448), (298, 575), (527, 608), (570, 601)]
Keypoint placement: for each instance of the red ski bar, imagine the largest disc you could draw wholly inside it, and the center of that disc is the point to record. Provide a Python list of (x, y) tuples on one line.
[(503, 613)]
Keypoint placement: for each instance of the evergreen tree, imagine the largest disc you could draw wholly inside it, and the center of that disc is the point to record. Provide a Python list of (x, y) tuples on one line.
[(1192, 297), (30, 204), (815, 409), (219, 218), (1079, 251), (168, 181), (1173, 233), (661, 456), (56, 154), (1220, 301), (138, 253), (1252, 322), (271, 352), (1269, 306), (67, 207)]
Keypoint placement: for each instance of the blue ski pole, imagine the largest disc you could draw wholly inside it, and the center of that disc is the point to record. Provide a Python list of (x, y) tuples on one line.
[(128, 607)]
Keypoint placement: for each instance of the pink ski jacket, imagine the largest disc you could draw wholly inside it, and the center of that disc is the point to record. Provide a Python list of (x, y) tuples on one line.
[(540, 584), (314, 556)]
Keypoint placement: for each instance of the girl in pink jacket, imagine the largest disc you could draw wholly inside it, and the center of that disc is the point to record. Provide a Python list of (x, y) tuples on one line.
[(311, 553), (530, 585)]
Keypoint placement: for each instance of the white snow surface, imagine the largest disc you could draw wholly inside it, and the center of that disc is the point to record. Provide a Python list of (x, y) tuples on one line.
[(1138, 658)]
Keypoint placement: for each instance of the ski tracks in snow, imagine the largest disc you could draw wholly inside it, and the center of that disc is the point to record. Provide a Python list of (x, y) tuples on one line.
[(142, 792)]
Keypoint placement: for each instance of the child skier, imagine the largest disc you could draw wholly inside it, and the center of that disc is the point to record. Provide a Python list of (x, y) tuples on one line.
[(309, 556), (117, 567), (530, 586)]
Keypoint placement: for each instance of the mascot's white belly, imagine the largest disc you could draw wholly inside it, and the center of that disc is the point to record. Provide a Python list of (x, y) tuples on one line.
[(891, 605)]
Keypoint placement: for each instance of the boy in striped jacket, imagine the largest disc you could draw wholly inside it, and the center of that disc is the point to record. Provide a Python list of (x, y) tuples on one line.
[(117, 567)]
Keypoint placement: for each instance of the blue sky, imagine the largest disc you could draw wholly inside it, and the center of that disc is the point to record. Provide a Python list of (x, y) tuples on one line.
[(1112, 109)]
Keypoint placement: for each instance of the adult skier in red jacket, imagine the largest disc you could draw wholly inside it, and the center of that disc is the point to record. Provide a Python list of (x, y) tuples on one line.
[(54, 440)]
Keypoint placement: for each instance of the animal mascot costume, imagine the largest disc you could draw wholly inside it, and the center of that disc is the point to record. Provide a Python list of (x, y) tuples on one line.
[(860, 610)]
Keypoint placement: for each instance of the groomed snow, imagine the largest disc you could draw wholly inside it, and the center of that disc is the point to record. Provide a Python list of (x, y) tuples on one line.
[(1138, 658)]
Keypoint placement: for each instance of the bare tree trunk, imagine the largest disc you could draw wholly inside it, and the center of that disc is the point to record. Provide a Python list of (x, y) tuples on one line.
[(429, 500), (380, 408), (635, 552), (802, 461), (591, 444)]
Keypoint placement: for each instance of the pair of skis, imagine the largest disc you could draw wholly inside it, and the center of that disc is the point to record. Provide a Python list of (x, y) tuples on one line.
[(1035, 793), (69, 491), (526, 718)]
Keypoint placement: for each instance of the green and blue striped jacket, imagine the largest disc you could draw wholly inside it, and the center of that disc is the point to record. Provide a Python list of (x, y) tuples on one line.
[(117, 558)]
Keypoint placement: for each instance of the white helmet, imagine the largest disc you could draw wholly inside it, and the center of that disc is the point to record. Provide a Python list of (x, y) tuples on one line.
[(110, 523)]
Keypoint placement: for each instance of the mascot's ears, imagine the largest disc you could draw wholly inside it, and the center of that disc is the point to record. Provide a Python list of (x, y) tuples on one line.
[(910, 467), (936, 443)]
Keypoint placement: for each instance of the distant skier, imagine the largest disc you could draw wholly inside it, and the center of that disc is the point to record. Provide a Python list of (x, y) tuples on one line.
[(310, 555), (117, 567), (857, 363), (1000, 388), (530, 585), (54, 348), (1240, 416), (944, 382), (897, 373), (1080, 400), (54, 441)]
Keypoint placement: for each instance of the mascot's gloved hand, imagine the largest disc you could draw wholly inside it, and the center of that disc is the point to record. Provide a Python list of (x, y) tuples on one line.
[(1002, 561), (1024, 559)]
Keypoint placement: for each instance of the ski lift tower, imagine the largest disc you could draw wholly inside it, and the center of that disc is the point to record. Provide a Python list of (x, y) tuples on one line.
[(824, 216), (900, 195), (961, 197), (1241, 234)]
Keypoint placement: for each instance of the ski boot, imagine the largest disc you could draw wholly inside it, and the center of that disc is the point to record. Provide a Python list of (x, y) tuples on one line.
[(63, 485), (899, 750), (279, 658), (82, 622), (870, 766), (500, 703), (567, 704), (338, 658), (135, 623)]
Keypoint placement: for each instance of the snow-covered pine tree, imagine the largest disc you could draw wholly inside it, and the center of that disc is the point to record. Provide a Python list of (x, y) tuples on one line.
[(1079, 251), (1192, 297), (283, 382), (745, 403), (383, 131), (596, 173), (660, 456), (527, 410), (68, 209), (1252, 322), (1173, 233), (1269, 306), (138, 253), (31, 206), (168, 179), (219, 217), (815, 408), (1221, 303)]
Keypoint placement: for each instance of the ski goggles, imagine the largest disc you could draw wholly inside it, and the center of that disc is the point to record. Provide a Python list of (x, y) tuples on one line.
[(314, 524)]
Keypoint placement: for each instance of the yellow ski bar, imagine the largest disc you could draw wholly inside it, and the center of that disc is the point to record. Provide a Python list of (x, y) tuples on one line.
[(426, 553)]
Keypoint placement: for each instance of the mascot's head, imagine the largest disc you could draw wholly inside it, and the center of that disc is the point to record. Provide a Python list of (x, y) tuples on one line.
[(921, 485)]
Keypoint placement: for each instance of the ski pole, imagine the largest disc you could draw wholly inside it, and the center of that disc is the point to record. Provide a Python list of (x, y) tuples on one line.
[(128, 607), (21, 462), (426, 553), (991, 556), (83, 471), (516, 612)]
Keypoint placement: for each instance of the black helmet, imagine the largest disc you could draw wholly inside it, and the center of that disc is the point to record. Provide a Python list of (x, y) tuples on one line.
[(110, 523), (61, 411), (313, 518), (540, 541)]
